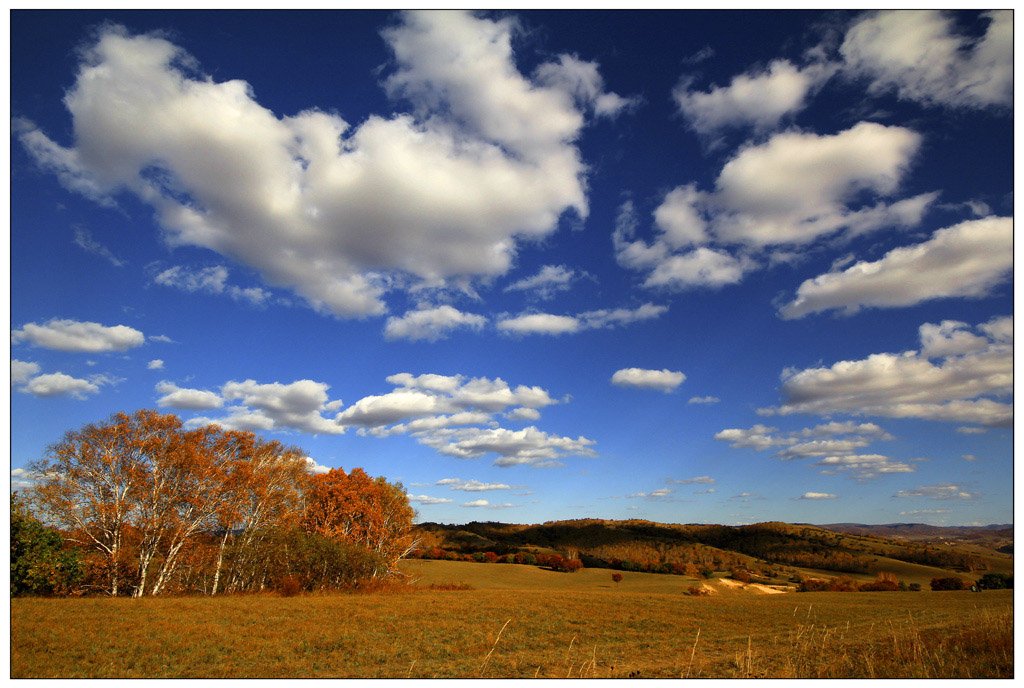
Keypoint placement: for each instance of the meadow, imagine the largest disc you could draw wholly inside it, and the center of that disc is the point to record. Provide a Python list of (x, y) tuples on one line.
[(522, 622)]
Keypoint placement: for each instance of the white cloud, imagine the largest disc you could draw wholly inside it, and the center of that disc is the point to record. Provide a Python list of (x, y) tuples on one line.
[(85, 241), (970, 457), (471, 485), (60, 385), (703, 400), (431, 324), (940, 491), (919, 55), (314, 468), (757, 437), (702, 480), (212, 280), (22, 479), (161, 338), (949, 338), (540, 323), (21, 371), (581, 81), (191, 399), (294, 406), (426, 501), (792, 190), (965, 260), (909, 385), (521, 413), (663, 380), (757, 99), (863, 466), (486, 159), (550, 280), (608, 318), (476, 502), (661, 493), (72, 335), (529, 446), (917, 512), (710, 490), (155, 364), (816, 495), (969, 430)]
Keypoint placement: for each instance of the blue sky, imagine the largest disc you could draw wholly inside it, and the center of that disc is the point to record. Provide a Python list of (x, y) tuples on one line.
[(686, 266)]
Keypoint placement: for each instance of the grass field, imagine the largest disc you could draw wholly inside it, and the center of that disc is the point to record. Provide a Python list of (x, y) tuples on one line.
[(526, 623)]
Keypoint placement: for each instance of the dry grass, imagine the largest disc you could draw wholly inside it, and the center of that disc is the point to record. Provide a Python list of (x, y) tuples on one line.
[(491, 633)]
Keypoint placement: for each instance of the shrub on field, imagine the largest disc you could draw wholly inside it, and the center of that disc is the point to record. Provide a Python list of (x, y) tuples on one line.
[(995, 581), (914, 587), (812, 585), (843, 584), (554, 561), (707, 572), (742, 575), (289, 586), (616, 578), (525, 558), (884, 581), (40, 563), (569, 565), (951, 583), (490, 557), (450, 586)]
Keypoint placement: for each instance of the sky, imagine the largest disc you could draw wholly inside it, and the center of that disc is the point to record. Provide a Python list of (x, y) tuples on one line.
[(691, 267)]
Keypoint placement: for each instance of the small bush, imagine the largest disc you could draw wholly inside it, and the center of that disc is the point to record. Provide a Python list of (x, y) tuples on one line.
[(616, 578), (289, 586), (914, 587), (450, 586), (569, 565), (951, 583)]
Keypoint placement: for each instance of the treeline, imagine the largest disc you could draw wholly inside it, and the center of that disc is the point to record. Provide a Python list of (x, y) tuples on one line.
[(555, 562), (141, 506)]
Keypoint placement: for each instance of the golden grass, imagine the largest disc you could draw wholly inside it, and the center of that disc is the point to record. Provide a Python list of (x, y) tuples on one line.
[(501, 633)]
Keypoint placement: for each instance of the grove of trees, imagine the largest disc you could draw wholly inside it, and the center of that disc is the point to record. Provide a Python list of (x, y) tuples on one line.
[(146, 506)]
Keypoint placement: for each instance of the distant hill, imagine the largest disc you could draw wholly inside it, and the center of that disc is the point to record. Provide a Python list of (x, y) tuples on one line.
[(772, 550)]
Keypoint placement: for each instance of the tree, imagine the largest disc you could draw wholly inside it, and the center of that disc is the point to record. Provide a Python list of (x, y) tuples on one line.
[(355, 508), (617, 578), (141, 487), (40, 565)]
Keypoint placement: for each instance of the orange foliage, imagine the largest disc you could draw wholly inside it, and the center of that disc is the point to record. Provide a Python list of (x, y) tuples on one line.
[(355, 508)]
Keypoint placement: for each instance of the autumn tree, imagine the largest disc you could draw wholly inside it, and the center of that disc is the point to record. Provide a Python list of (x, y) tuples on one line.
[(140, 486), (40, 564), (355, 508)]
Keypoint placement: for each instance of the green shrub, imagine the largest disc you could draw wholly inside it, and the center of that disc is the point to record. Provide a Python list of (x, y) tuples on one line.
[(40, 564)]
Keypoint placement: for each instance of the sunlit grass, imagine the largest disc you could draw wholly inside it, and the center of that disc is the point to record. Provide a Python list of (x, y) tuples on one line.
[(431, 633)]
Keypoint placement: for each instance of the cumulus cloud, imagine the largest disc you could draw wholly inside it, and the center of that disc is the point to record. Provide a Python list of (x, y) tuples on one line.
[(187, 399), (758, 99), (212, 280), (75, 336), (22, 479), (546, 283), (61, 385), (314, 468), (940, 491), (155, 364), (85, 241), (919, 55), (662, 493), (838, 442), (550, 324), (957, 388), (863, 466), (471, 485), (794, 189), (426, 501), (476, 502), (966, 260), (663, 380), (439, 411), (21, 371), (523, 414), (529, 446), (431, 324), (702, 480), (816, 495), (295, 406), (296, 197)]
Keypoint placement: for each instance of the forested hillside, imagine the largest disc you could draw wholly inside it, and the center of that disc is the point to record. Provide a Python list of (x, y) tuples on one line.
[(764, 548)]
